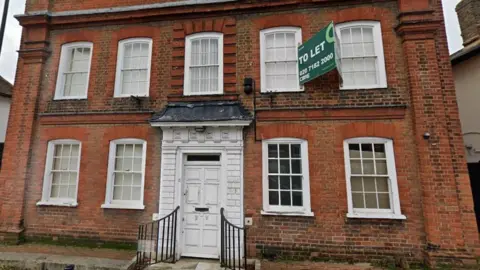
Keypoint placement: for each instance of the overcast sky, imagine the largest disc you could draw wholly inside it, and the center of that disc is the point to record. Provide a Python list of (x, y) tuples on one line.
[(8, 57)]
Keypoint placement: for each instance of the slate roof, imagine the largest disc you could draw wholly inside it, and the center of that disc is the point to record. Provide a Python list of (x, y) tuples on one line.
[(5, 88), (202, 112)]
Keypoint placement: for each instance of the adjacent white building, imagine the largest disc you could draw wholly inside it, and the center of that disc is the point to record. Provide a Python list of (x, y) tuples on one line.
[(5, 101)]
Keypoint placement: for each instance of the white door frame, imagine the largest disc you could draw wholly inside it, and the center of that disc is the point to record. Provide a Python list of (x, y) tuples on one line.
[(180, 186)]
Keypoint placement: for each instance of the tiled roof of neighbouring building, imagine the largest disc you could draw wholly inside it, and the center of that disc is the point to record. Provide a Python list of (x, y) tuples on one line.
[(5, 88)]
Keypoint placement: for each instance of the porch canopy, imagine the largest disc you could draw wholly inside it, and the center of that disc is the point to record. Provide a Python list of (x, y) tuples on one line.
[(206, 113)]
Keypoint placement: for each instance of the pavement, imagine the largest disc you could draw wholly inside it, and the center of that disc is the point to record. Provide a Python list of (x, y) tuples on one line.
[(50, 257)]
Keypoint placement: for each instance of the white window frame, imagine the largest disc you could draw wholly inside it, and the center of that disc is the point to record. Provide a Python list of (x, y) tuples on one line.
[(47, 177), (123, 204), (395, 211), (188, 59), (304, 210), (263, 44), (60, 86), (120, 56), (378, 43)]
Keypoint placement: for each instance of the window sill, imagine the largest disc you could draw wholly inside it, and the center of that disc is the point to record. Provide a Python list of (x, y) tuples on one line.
[(70, 98), (269, 92), (278, 213), (131, 96), (372, 87), (123, 206), (376, 216), (62, 204)]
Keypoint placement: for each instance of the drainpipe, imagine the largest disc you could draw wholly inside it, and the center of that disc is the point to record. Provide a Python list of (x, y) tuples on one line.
[(4, 22)]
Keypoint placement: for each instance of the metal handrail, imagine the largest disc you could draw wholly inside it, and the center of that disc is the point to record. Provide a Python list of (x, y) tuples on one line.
[(228, 256), (151, 249)]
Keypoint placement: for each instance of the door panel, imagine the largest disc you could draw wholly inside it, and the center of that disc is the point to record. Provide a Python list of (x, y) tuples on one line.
[(201, 211)]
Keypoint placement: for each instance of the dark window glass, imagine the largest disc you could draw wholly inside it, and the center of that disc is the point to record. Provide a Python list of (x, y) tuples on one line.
[(284, 151), (296, 152), (286, 198), (203, 158), (297, 198), (273, 182), (272, 150), (273, 197)]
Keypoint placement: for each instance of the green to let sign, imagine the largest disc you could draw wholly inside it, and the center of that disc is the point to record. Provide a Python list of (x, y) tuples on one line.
[(318, 55)]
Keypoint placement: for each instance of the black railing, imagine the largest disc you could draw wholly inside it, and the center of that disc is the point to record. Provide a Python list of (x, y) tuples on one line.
[(157, 241), (234, 239)]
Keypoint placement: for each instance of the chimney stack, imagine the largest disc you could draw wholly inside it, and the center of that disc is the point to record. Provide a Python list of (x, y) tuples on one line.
[(468, 12)]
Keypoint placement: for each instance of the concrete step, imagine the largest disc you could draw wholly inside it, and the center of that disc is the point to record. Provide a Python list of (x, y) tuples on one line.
[(192, 264)]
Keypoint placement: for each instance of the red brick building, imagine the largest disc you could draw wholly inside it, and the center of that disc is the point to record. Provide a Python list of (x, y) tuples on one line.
[(123, 110)]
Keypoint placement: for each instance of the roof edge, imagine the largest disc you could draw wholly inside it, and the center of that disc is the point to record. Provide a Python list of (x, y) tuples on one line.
[(121, 9), (464, 54)]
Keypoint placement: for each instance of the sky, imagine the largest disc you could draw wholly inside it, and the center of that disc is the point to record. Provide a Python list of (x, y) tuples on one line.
[(11, 42)]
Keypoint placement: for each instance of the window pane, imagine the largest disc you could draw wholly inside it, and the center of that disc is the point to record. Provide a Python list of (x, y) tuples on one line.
[(368, 167), (273, 150), (381, 167), (296, 166), (383, 201), (285, 198), (354, 150), (382, 184), (356, 167), (367, 151), (297, 199), (118, 180), (273, 182), (285, 166), (273, 166), (285, 182), (270, 38), (127, 179), (119, 164), (296, 152), (367, 34), (379, 150), (296, 182), (73, 163), (136, 193), (369, 184), (137, 164), (345, 36), (356, 35), (356, 183), (284, 151), (357, 199), (137, 179), (117, 192), (290, 37), (371, 200), (273, 198)]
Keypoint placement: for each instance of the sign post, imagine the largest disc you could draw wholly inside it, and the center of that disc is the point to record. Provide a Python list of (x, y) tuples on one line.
[(319, 55)]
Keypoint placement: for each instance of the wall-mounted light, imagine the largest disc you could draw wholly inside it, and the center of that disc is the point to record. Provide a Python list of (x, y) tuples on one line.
[(248, 85), (200, 129)]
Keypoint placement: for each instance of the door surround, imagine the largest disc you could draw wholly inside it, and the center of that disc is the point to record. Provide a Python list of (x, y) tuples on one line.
[(181, 141)]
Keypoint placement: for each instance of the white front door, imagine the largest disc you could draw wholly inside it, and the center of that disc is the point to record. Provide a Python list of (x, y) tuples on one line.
[(201, 211)]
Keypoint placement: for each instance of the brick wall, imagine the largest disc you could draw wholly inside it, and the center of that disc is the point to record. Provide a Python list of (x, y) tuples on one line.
[(432, 178)]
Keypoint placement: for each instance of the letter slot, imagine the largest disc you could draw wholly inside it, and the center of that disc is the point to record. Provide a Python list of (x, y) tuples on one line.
[(201, 209)]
